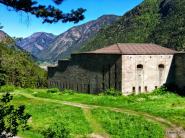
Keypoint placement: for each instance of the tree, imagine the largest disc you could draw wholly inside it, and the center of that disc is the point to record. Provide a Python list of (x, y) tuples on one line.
[(11, 118), (1, 27), (2, 71), (49, 14)]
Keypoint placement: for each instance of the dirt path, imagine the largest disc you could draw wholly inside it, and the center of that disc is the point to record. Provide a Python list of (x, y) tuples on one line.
[(98, 131), (173, 130)]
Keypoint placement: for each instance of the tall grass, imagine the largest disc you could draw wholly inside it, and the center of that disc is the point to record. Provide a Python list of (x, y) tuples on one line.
[(122, 125), (45, 114), (159, 103)]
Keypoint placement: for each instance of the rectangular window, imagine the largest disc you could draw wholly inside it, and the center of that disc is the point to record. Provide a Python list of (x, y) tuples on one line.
[(139, 88), (133, 89)]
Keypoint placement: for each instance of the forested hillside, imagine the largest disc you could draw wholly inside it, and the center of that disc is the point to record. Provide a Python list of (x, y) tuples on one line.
[(153, 21), (18, 69)]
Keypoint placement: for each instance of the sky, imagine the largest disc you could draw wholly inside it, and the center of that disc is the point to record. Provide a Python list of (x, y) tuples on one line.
[(20, 24)]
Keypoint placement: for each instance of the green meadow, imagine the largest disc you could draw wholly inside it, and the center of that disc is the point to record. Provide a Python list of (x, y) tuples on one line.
[(141, 116)]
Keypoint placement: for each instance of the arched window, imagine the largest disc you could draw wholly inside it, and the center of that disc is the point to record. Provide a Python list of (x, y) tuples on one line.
[(139, 66)]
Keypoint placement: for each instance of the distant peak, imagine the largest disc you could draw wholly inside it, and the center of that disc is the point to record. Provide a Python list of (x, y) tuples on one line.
[(108, 15), (38, 34)]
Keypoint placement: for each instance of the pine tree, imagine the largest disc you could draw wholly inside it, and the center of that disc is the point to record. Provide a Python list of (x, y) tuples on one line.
[(2, 71), (49, 14)]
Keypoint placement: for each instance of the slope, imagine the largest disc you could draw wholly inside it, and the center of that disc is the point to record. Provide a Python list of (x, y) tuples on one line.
[(153, 21), (71, 40), (16, 66), (36, 42)]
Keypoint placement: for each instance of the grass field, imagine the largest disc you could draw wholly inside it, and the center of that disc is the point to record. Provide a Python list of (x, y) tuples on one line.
[(167, 105), (46, 113), (128, 126), (108, 116)]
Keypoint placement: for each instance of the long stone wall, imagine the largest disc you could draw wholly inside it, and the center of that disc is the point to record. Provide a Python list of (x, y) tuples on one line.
[(179, 75), (89, 73)]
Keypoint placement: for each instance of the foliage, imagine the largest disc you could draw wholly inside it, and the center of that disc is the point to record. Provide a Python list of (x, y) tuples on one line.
[(11, 118), (53, 90), (49, 13), (57, 130), (112, 92), (160, 91), (70, 92), (7, 88), (18, 69), (127, 126), (153, 21), (1, 27)]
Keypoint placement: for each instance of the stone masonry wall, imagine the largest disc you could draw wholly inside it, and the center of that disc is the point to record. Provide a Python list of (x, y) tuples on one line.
[(144, 73), (89, 73), (179, 65)]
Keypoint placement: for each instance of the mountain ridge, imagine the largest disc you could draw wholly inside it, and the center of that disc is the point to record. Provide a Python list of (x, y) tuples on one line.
[(71, 40), (36, 42), (153, 21), (62, 45)]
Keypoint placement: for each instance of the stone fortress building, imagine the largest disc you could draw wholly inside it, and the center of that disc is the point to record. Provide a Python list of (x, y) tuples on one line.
[(130, 68)]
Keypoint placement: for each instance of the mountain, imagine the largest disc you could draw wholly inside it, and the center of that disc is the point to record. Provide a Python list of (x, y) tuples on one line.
[(71, 40), (5, 38), (153, 21), (17, 68), (36, 42)]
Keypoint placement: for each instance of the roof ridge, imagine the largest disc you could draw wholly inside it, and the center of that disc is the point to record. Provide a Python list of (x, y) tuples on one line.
[(119, 48)]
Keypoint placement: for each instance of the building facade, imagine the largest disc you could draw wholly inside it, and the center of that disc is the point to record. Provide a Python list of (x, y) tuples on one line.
[(130, 68)]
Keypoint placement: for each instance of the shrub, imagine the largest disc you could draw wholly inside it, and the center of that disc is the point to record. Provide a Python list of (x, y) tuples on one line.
[(7, 88), (112, 92), (70, 92), (29, 90), (53, 90), (57, 130), (160, 91), (12, 118)]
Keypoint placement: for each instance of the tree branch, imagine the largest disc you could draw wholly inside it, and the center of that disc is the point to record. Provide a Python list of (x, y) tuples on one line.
[(49, 14)]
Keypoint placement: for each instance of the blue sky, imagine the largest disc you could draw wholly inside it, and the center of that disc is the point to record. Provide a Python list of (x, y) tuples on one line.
[(22, 25)]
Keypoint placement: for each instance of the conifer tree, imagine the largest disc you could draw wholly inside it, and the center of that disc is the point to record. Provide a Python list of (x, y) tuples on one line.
[(49, 14)]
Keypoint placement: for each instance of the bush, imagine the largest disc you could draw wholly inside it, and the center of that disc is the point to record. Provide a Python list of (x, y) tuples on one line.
[(29, 90), (7, 88), (12, 118), (57, 130), (70, 92), (53, 90), (160, 91), (112, 92)]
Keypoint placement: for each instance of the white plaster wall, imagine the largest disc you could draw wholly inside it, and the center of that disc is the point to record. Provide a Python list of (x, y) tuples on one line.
[(150, 74)]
